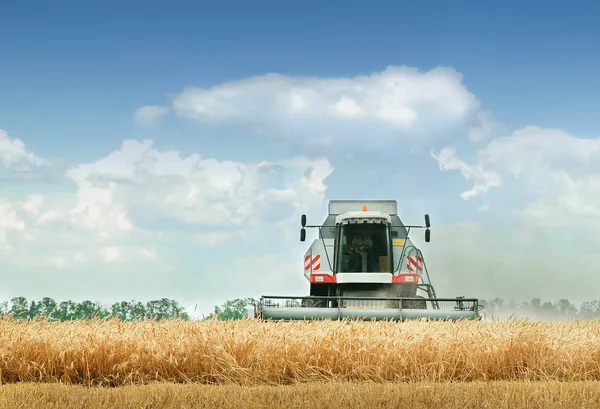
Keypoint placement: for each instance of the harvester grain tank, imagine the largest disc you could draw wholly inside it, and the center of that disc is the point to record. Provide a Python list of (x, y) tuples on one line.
[(364, 265)]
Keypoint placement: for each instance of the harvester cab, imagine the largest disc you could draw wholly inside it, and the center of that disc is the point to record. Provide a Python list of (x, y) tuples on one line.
[(364, 265)]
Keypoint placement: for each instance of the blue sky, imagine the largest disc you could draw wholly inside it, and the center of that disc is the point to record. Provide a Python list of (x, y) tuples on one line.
[(73, 75)]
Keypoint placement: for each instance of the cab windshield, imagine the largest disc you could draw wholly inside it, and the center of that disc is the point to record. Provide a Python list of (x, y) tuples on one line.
[(364, 248)]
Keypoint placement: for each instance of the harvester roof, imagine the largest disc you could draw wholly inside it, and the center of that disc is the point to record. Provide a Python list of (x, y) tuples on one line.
[(372, 216)]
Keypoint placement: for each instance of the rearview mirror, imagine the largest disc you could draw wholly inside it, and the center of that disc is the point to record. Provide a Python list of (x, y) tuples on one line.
[(427, 236), (303, 220), (427, 223), (302, 234)]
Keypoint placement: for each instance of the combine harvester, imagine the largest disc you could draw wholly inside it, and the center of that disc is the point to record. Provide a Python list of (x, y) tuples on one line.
[(364, 266)]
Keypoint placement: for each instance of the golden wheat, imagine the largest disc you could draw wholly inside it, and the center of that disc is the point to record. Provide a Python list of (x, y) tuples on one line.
[(254, 353)]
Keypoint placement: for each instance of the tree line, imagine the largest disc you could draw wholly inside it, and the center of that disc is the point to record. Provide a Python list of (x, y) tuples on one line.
[(48, 308), (539, 310), (20, 307)]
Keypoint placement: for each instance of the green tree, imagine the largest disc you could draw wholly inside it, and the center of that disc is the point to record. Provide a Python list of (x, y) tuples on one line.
[(67, 310), (589, 310), (121, 310), (19, 307), (165, 309), (48, 307), (232, 309), (4, 307), (137, 310), (88, 310), (175, 310), (566, 309)]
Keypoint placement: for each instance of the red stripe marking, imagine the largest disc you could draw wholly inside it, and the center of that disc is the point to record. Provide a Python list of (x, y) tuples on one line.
[(413, 260), (316, 263)]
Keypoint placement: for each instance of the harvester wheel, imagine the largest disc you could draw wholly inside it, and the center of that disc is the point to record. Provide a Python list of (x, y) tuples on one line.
[(313, 303)]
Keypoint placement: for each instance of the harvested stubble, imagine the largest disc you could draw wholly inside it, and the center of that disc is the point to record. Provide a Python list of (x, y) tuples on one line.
[(254, 353)]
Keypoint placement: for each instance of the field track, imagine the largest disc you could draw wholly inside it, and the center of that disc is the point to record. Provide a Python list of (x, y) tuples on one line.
[(475, 395)]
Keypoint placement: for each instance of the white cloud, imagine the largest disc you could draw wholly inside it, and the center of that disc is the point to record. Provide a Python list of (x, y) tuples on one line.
[(96, 208), (402, 99), (130, 254), (57, 261), (486, 125), (533, 151), (138, 192), (111, 253), (150, 114), (483, 180), (33, 204), (14, 155), (9, 221), (572, 202), (140, 178), (558, 172)]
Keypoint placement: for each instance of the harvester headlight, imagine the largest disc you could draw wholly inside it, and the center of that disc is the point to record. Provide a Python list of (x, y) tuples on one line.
[(319, 278)]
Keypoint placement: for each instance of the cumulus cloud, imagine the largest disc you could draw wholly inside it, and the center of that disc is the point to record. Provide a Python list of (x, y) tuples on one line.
[(33, 204), (383, 105), (150, 114), (9, 221), (483, 180), (557, 172), (130, 254), (138, 179), (141, 192), (14, 155), (533, 151), (55, 261)]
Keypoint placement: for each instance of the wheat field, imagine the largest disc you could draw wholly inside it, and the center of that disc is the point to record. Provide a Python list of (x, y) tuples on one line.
[(249, 352), (252, 362)]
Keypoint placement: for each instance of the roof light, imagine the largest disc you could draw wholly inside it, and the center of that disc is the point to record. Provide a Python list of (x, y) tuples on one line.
[(364, 208)]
